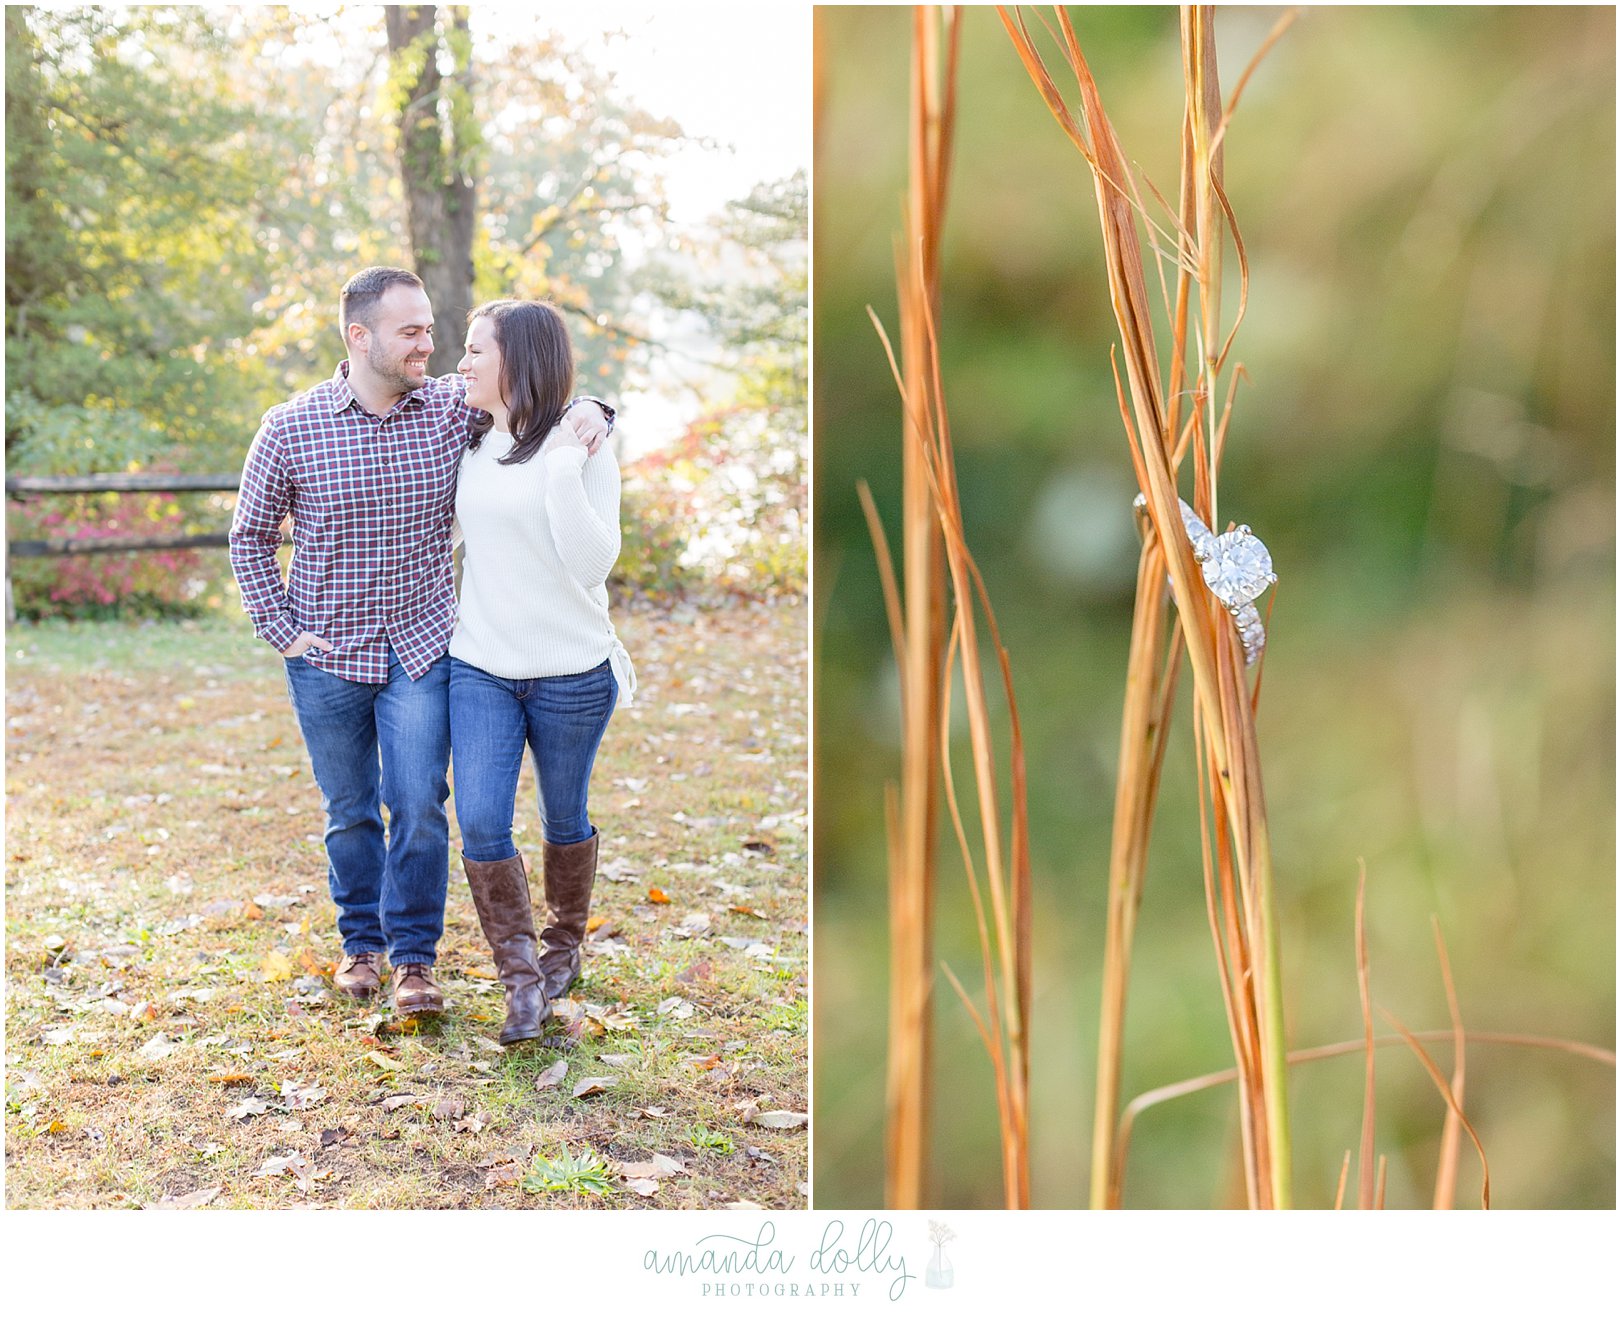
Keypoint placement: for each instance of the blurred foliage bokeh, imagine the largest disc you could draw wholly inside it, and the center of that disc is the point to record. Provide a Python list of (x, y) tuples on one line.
[(1426, 441)]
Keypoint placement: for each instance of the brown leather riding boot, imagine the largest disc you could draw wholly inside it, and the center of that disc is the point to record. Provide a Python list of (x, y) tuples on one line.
[(501, 895), (570, 870), (359, 975), (415, 993)]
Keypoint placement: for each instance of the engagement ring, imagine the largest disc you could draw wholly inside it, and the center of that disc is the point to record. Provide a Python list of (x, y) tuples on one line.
[(1236, 568)]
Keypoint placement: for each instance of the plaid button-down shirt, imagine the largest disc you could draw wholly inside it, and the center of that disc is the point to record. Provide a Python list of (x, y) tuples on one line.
[(372, 499)]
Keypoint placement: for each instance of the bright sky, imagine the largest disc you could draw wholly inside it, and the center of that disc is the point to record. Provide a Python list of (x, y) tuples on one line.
[(738, 73)]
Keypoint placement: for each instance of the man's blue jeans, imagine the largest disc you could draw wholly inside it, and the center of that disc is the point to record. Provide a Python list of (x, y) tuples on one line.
[(491, 720), (375, 744)]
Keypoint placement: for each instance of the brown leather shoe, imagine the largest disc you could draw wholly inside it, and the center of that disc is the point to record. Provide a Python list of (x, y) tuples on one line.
[(570, 870), (501, 895), (359, 975), (415, 993)]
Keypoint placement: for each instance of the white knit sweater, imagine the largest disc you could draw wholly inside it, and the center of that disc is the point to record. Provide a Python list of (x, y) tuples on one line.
[(539, 541)]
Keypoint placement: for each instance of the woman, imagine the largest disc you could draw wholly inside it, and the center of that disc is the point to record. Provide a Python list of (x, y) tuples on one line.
[(534, 658)]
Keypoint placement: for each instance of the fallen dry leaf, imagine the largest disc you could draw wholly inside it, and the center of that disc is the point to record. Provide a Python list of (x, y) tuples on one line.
[(553, 1075), (301, 1096), (276, 966), (249, 1107), (230, 1078), (592, 1085), (448, 1110), (644, 1186), (616, 1019), (398, 1101), (779, 1118), (379, 1059), (503, 1174), (657, 895), (195, 1200), (512, 1154), (159, 1046)]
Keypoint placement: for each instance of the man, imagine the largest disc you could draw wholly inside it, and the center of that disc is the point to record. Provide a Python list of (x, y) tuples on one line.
[(366, 464)]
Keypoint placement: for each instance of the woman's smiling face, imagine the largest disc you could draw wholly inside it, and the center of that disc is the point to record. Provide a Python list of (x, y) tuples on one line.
[(481, 366)]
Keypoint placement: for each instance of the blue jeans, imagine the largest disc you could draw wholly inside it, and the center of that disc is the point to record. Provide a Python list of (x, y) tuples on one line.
[(491, 720), (375, 744)]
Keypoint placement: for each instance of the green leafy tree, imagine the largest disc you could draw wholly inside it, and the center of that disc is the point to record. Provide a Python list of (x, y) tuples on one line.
[(141, 209)]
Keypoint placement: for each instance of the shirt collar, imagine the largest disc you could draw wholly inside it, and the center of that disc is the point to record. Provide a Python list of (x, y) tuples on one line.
[(343, 395)]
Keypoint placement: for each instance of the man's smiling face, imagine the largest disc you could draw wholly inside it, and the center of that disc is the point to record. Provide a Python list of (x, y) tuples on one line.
[(400, 339)]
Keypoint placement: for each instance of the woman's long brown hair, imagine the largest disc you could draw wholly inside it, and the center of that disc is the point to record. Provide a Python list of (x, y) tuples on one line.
[(537, 373)]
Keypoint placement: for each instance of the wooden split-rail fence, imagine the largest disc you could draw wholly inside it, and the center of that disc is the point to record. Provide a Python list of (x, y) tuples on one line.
[(34, 487)]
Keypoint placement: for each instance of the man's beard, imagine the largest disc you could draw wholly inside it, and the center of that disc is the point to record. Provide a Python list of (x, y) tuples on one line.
[(391, 370)]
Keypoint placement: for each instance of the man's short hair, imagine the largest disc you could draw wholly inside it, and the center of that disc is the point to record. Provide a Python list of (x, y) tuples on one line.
[(360, 296)]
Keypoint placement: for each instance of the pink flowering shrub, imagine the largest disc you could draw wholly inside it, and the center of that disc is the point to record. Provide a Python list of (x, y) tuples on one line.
[(144, 583)]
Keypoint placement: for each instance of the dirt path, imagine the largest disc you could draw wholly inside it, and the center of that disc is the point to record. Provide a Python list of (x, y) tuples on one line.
[(171, 1034)]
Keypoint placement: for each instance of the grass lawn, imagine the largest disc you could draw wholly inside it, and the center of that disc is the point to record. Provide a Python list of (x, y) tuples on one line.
[(172, 1036)]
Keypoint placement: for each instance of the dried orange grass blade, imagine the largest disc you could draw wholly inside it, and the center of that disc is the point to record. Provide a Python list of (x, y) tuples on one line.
[(1446, 1175), (1285, 21), (973, 1012), (1341, 1049), (1037, 69), (982, 928), (1365, 1154), (912, 875), (1224, 709), (1452, 1103), (886, 576), (936, 549)]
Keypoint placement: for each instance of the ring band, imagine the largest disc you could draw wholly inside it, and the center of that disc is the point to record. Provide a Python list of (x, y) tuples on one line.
[(1236, 567)]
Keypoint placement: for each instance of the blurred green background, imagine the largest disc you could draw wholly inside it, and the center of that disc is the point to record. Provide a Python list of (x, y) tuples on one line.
[(1426, 442)]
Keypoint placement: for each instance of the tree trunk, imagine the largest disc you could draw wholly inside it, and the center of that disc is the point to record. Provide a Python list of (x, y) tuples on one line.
[(437, 139)]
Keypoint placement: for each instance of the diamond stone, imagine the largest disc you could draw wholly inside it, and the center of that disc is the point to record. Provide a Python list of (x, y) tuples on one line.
[(1238, 568)]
